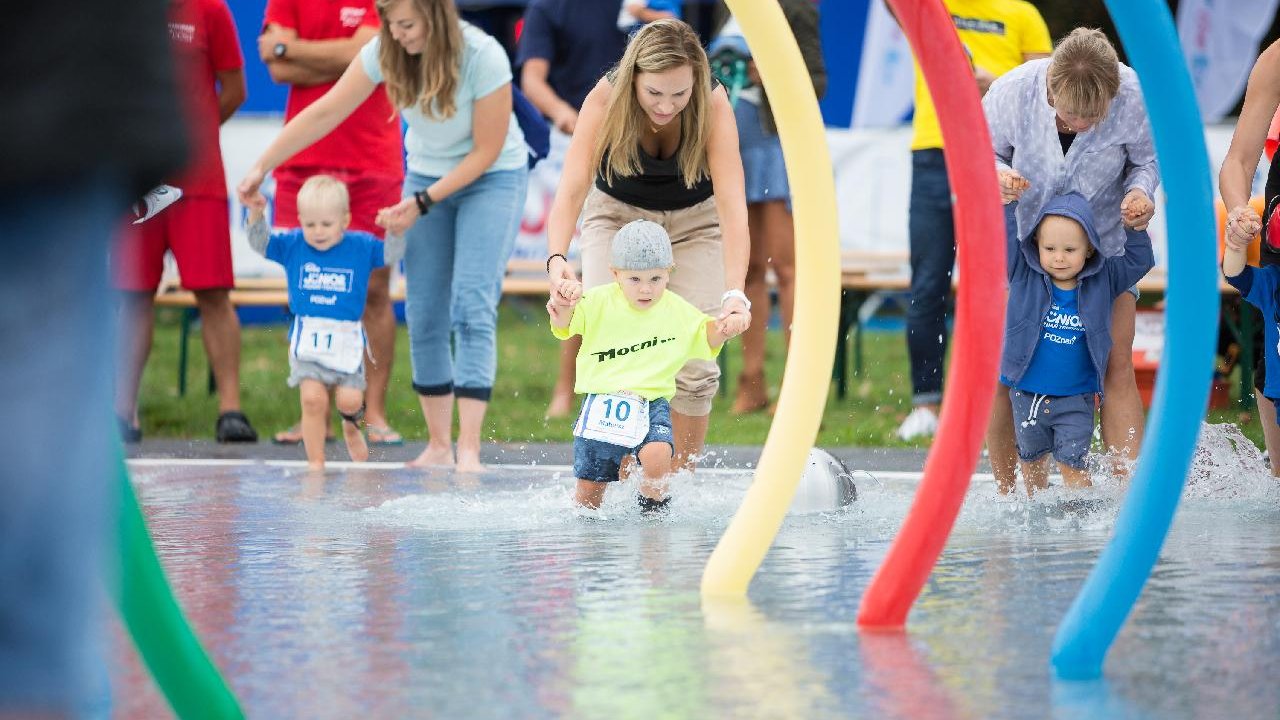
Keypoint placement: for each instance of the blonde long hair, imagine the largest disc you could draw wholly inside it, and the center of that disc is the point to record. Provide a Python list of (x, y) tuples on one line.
[(1084, 74), (429, 80), (660, 46)]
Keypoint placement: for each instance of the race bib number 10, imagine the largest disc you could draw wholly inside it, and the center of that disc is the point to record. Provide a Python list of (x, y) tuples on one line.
[(335, 344), (621, 419)]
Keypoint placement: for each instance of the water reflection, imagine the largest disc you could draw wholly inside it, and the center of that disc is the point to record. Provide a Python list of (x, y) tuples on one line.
[(373, 593), (761, 669), (899, 683)]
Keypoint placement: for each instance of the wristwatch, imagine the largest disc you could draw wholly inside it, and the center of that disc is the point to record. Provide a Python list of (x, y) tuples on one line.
[(736, 294), (424, 201), (279, 50)]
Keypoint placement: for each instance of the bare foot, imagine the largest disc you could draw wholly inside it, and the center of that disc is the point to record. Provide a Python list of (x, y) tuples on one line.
[(315, 467), (433, 456), (469, 461), (561, 406), (357, 448)]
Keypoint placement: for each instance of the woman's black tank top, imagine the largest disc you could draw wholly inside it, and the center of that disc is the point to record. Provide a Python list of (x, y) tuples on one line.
[(660, 184)]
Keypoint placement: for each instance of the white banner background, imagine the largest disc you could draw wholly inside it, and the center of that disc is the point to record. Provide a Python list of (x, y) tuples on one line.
[(886, 73), (1220, 42)]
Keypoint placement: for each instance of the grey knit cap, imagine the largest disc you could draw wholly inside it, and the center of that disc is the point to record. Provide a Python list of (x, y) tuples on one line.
[(641, 245)]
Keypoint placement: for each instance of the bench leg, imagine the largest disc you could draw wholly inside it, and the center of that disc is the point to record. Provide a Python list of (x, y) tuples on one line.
[(183, 334), (850, 303)]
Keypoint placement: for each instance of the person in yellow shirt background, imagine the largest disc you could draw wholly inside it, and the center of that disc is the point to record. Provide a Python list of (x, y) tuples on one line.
[(636, 336), (998, 35)]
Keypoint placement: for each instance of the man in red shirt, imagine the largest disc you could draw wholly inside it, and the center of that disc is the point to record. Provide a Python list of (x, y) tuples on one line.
[(309, 44), (197, 228)]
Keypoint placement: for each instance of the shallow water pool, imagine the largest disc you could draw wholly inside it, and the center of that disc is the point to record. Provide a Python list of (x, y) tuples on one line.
[(381, 592)]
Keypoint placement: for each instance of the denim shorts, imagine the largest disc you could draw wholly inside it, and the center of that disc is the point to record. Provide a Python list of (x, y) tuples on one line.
[(1061, 424), (600, 461)]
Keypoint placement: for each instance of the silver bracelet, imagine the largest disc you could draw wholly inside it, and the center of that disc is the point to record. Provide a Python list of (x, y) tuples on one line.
[(736, 294)]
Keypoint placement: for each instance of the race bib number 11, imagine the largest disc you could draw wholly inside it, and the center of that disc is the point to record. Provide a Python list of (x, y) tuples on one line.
[(335, 344), (621, 419)]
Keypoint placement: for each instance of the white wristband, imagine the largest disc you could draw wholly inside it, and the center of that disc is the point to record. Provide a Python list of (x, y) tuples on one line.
[(736, 294)]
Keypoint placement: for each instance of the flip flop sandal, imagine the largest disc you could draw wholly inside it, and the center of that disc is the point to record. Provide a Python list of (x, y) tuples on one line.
[(383, 435)]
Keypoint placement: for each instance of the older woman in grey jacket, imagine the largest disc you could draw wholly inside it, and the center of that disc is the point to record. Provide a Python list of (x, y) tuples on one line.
[(1076, 122)]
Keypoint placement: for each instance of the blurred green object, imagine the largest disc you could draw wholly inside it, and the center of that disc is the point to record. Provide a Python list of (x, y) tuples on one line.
[(168, 645)]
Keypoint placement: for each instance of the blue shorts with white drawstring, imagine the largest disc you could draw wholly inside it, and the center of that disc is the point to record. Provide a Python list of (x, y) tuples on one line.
[(1062, 425)]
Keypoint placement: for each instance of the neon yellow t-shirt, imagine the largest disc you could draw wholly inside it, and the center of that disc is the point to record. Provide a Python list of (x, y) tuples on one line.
[(636, 350), (998, 34)]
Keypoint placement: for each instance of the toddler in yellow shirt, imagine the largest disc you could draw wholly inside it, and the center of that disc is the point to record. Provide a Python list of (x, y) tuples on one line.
[(636, 335)]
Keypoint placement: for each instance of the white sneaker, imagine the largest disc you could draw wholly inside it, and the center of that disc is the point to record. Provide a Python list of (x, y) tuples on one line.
[(920, 422), (157, 198)]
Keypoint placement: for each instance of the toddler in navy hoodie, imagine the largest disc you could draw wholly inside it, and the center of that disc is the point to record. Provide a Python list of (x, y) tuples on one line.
[(1058, 332)]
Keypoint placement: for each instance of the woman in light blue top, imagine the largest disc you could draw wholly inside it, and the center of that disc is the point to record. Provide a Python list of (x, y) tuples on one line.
[(464, 195), (1076, 122)]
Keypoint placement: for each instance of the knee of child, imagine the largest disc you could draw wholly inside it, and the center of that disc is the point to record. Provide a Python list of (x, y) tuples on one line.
[(315, 400), (656, 459), (349, 400)]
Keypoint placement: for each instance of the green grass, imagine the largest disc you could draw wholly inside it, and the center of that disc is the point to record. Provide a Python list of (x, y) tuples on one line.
[(878, 398)]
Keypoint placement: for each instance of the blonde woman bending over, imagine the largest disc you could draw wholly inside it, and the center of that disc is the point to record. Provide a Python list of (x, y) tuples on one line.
[(656, 140)]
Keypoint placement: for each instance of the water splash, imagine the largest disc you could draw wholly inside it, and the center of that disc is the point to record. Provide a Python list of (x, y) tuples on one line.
[(1227, 464)]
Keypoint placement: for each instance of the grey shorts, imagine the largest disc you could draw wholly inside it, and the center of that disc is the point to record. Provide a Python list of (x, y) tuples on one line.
[(300, 370), (1062, 425)]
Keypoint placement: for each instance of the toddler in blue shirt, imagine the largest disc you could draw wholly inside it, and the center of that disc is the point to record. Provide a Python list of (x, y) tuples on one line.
[(327, 270), (1058, 332)]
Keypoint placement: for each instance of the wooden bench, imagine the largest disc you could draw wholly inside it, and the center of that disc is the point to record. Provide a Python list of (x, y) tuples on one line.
[(524, 278)]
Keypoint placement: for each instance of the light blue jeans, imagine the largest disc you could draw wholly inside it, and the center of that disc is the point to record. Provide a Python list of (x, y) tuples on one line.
[(454, 261), (57, 360)]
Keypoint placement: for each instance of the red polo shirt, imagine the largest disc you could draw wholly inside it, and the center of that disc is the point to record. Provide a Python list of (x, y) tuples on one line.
[(203, 37), (368, 140)]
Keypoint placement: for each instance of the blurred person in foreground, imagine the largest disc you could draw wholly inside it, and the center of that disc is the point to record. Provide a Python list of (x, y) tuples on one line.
[(77, 152)]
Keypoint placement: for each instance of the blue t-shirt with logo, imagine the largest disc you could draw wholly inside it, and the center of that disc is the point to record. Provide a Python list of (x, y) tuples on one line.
[(331, 283), (1061, 364)]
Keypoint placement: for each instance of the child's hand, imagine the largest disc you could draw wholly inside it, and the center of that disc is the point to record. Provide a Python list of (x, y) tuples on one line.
[(1243, 224), (257, 204), (1012, 185), (1136, 210), (568, 292), (733, 325)]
